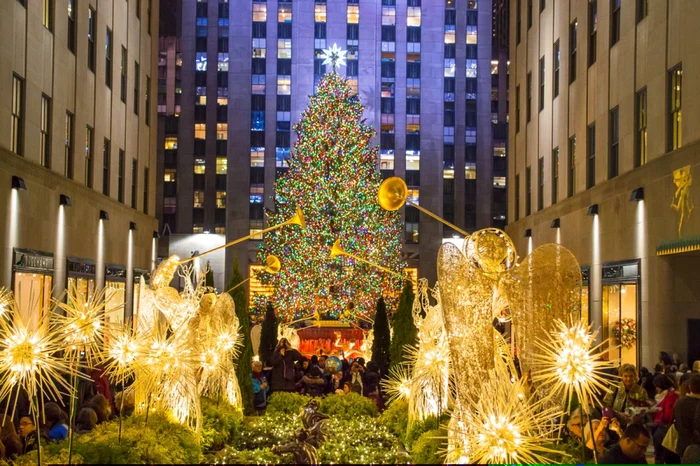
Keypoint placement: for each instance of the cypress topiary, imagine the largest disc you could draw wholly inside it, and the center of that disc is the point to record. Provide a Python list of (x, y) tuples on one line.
[(209, 278), (382, 338), (268, 335), (405, 331), (246, 352)]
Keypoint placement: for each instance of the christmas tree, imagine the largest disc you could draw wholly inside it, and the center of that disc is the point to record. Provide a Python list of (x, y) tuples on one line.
[(405, 331), (245, 356), (268, 336), (333, 178), (382, 338)]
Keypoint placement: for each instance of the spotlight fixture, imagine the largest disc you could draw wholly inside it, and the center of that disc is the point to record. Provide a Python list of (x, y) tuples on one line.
[(18, 183), (64, 200), (556, 223), (156, 235), (132, 226), (528, 233), (104, 215), (637, 194), (592, 210)]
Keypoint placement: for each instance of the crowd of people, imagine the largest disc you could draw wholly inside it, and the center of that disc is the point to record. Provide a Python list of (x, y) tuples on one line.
[(290, 371), (660, 409), (95, 405)]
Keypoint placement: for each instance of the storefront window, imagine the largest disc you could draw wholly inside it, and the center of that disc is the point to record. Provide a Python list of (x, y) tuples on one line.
[(619, 310), (32, 294), (114, 302)]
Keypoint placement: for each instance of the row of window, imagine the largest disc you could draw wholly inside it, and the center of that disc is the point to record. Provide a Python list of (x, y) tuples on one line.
[(642, 10), (674, 122), (45, 129)]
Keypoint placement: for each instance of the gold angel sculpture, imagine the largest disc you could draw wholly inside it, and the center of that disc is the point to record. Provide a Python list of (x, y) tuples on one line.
[(484, 281)]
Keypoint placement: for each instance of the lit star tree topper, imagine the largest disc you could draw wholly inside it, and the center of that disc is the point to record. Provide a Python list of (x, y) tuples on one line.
[(334, 56), (333, 179)]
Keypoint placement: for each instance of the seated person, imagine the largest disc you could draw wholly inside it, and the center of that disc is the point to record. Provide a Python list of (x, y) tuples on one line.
[(27, 432), (631, 448)]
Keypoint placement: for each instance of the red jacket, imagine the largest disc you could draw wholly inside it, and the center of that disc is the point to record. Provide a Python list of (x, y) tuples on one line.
[(665, 415)]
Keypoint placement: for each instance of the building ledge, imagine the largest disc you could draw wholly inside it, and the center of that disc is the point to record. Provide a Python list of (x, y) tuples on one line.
[(678, 246)]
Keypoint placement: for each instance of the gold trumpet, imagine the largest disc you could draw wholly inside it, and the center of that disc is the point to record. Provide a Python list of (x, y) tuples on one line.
[(393, 194), (297, 219), (337, 250), (272, 265)]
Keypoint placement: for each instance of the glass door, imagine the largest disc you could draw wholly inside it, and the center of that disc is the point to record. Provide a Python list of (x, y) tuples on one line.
[(620, 321)]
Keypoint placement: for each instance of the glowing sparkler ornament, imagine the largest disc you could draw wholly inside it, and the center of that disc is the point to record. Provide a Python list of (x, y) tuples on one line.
[(567, 363), (398, 385), (29, 359), (501, 427), (82, 325), (121, 352)]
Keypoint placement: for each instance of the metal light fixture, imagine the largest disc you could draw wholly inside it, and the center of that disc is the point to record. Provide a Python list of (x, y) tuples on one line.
[(18, 183), (556, 223), (528, 233), (104, 215), (592, 210), (156, 235), (64, 200), (132, 226), (637, 194)]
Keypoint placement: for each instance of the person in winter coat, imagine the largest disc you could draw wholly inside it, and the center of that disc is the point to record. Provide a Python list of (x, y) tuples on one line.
[(260, 387), (283, 360), (10, 439), (314, 383), (666, 397)]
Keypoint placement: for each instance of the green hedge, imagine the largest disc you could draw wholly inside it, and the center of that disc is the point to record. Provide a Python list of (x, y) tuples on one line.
[(162, 441), (429, 447), (360, 440), (221, 423), (286, 403), (348, 406), (395, 418), (230, 455), (267, 431)]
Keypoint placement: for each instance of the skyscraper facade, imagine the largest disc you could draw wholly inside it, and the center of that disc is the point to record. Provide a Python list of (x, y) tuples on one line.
[(423, 69), (603, 149), (77, 148)]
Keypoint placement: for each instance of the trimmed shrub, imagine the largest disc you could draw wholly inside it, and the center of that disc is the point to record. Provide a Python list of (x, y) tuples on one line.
[(395, 418), (161, 441), (427, 449), (267, 431), (221, 422), (348, 406), (258, 456), (286, 403), (360, 440)]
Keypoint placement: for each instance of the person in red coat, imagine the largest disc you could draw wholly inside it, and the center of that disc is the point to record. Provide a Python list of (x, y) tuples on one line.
[(100, 383), (666, 397)]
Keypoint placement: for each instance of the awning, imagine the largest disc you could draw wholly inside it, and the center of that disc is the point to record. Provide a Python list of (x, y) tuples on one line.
[(678, 246)]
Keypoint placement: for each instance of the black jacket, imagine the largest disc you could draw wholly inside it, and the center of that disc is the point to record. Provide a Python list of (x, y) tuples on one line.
[(686, 413), (283, 370)]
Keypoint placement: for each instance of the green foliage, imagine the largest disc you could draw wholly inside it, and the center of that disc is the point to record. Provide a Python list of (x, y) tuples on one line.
[(286, 403), (258, 456), (420, 427), (360, 440), (348, 406), (221, 423), (161, 441), (395, 418), (267, 431), (382, 338), (405, 331), (268, 335), (246, 355), (428, 448)]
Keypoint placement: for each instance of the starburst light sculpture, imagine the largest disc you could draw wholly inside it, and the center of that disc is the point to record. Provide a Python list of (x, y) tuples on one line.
[(568, 362)]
